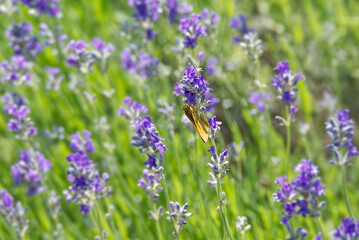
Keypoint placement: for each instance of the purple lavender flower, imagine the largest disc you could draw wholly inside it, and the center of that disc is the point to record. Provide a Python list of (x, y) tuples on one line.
[(102, 52), (194, 88), (54, 78), (49, 7), (30, 169), (209, 18), (301, 196), (201, 57), (179, 216), (146, 137), (23, 41), (87, 184), (140, 63), (218, 165), (192, 29), (132, 110), (341, 131), (211, 66), (166, 110), (7, 200), (15, 216), (348, 230), (285, 82), (81, 144), (240, 24), (258, 99), (151, 182), (79, 57), (148, 141), (177, 10), (213, 126), (16, 72), (146, 12), (20, 123), (47, 35), (145, 9)]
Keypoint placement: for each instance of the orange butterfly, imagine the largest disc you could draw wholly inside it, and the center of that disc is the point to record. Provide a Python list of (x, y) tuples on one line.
[(198, 120)]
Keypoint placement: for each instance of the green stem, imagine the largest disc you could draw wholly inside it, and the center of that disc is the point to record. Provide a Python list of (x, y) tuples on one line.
[(221, 208), (96, 218), (168, 203), (342, 167), (224, 216), (287, 156), (158, 227)]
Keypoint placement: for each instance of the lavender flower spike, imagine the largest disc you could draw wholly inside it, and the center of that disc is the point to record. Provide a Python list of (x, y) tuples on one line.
[(194, 88), (140, 63), (102, 52), (49, 7), (87, 184), (258, 99), (178, 215), (218, 165), (285, 82), (341, 131), (31, 169), (151, 182), (23, 41), (301, 196), (132, 110), (192, 29), (79, 57), (16, 72), (15, 215), (348, 230), (20, 123)]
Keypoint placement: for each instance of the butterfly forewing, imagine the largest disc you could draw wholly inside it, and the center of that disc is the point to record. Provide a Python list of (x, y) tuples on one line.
[(198, 120)]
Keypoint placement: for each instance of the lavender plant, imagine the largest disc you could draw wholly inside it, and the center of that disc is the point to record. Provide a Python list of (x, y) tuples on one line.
[(15, 215), (192, 29), (54, 78), (147, 139), (20, 122), (80, 57), (31, 169), (177, 9), (146, 13), (23, 41), (301, 196), (48, 7), (259, 100), (240, 24), (341, 131), (140, 63), (17, 71), (285, 83), (179, 215), (87, 184), (348, 230)]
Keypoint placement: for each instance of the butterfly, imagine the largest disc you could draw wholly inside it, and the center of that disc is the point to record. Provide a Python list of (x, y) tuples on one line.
[(198, 120)]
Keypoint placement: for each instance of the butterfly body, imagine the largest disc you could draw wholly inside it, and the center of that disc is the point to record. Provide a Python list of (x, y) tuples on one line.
[(198, 120)]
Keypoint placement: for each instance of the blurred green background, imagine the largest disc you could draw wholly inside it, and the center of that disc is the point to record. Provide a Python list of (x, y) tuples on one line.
[(320, 38)]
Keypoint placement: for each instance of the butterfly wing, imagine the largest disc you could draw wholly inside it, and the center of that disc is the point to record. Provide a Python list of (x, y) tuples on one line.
[(189, 113), (198, 120), (201, 125)]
